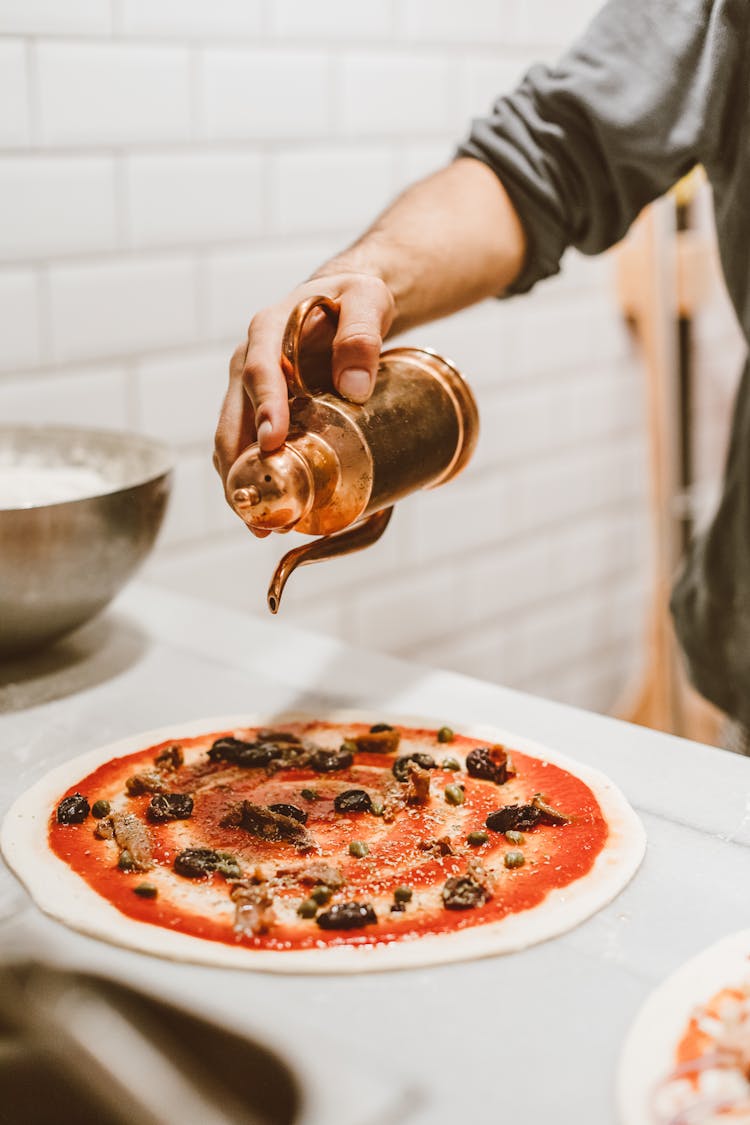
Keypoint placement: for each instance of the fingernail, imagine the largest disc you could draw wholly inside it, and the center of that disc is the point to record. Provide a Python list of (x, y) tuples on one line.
[(354, 384), (265, 429)]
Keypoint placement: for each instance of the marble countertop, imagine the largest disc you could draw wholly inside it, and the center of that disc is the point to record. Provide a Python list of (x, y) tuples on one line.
[(531, 1037)]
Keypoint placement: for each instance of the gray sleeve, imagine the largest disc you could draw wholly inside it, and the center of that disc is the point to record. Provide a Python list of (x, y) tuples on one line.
[(582, 146)]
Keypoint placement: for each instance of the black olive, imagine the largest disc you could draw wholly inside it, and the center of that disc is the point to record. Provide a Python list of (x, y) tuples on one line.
[(246, 755), (72, 810), (194, 863), (378, 728), (400, 767), (353, 800), (227, 749), (488, 764), (326, 761), (169, 806), (518, 818), (290, 810), (461, 892), (347, 916)]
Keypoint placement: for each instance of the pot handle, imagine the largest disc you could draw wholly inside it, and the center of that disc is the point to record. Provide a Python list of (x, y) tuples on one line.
[(290, 347)]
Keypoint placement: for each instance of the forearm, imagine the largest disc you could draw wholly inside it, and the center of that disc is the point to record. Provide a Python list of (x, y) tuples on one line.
[(447, 242)]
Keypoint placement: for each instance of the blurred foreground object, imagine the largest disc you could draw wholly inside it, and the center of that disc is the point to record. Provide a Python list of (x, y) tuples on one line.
[(79, 511), (665, 271), (78, 1048), (344, 465)]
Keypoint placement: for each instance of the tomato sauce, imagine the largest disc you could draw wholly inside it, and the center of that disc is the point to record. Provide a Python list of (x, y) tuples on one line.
[(555, 856)]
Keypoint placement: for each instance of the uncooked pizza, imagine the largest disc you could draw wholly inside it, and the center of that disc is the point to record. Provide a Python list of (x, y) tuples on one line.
[(687, 1058), (323, 844)]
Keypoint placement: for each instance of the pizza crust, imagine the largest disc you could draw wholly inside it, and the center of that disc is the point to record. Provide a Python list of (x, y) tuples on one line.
[(62, 894), (648, 1052)]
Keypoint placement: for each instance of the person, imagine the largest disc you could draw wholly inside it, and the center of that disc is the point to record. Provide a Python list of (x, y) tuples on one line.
[(569, 158)]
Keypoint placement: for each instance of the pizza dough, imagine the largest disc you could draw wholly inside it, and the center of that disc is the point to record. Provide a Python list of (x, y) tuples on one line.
[(62, 893), (646, 1094)]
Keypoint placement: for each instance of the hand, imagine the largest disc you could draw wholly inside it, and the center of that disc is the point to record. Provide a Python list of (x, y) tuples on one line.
[(256, 402)]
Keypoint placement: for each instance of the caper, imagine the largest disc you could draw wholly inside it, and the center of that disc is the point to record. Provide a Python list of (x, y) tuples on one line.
[(514, 859), (349, 745), (445, 734), (477, 838), (377, 808), (309, 794), (454, 794), (145, 890), (308, 908), (358, 849), (514, 837), (450, 764), (321, 895), (100, 809), (403, 894), (126, 861)]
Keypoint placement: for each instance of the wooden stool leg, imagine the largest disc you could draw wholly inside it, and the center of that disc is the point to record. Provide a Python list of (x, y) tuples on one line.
[(656, 286)]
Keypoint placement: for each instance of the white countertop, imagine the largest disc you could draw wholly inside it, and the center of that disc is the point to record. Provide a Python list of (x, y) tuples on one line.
[(530, 1037)]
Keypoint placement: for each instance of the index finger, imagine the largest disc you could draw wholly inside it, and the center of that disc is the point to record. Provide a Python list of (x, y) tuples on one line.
[(263, 379)]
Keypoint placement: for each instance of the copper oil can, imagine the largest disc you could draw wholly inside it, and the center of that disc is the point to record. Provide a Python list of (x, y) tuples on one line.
[(344, 465)]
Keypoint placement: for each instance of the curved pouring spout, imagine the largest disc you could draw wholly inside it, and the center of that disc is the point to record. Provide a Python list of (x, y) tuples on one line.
[(354, 538)]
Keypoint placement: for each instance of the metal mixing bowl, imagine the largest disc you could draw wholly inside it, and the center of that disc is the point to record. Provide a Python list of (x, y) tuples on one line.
[(61, 563)]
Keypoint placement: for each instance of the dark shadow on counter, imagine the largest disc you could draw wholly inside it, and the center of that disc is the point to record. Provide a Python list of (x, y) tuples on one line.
[(95, 653)]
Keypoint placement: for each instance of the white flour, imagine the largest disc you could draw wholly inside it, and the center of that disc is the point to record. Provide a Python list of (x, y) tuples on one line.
[(26, 486)]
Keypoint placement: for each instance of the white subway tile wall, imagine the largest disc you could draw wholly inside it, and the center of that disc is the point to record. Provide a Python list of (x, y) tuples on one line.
[(385, 93), (332, 21), (189, 19), (167, 167), (57, 205), (50, 17), (106, 93), (329, 189), (172, 199), (263, 93), (121, 306), (21, 340), (14, 100)]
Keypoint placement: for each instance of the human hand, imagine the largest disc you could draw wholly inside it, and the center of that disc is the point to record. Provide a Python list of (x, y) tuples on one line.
[(256, 403)]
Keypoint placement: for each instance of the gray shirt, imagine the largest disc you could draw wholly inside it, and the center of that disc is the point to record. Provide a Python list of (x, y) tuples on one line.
[(652, 88)]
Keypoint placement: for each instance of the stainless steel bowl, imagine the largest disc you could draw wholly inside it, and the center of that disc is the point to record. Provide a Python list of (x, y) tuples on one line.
[(62, 562)]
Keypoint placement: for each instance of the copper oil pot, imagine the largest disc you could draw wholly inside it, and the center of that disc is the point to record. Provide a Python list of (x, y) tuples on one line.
[(344, 465)]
